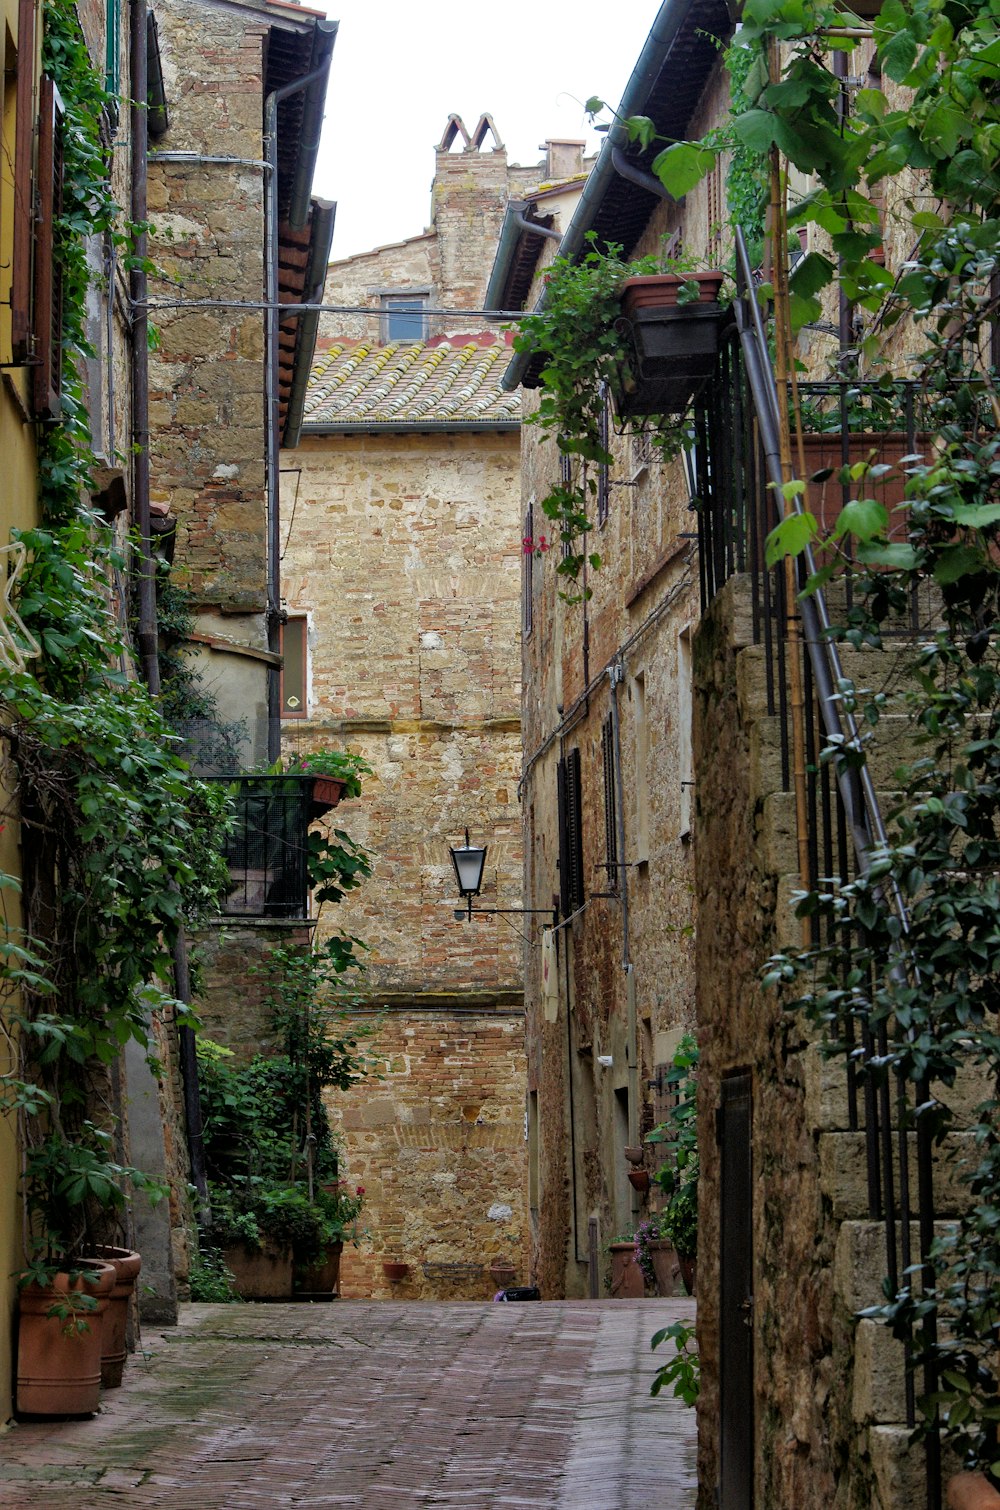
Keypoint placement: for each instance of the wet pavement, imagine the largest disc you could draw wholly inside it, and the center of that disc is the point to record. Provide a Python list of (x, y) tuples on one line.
[(376, 1404)]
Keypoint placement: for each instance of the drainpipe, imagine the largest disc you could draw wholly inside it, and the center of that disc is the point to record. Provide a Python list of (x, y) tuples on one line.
[(616, 676), (271, 422), (146, 637)]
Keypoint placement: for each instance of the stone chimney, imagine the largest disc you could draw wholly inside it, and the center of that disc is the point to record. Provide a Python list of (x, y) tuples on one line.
[(563, 158), (468, 200)]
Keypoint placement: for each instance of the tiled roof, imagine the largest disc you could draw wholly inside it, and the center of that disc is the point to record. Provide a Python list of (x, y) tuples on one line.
[(406, 384)]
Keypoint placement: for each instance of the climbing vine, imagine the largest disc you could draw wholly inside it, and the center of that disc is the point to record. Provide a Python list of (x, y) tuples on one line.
[(121, 847)]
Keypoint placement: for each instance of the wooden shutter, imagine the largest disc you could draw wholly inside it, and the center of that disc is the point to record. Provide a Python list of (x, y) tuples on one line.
[(48, 271), (20, 290), (603, 480), (571, 890), (610, 803)]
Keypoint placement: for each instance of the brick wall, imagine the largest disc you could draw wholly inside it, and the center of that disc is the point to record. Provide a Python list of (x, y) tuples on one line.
[(438, 1144)]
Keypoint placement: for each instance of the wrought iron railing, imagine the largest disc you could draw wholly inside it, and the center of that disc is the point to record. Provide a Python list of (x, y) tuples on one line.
[(737, 476), (268, 846)]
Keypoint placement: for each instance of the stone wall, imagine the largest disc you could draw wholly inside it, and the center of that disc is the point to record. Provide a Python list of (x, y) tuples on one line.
[(438, 1144)]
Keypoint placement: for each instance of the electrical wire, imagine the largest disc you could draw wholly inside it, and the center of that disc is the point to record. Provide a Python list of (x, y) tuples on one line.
[(265, 306)]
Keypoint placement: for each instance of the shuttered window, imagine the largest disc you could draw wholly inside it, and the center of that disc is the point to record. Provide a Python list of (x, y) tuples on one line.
[(294, 667), (48, 270), (571, 890), (610, 803), (20, 292), (603, 479)]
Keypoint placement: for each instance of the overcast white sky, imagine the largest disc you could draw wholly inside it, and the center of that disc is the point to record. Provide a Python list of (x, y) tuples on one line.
[(400, 67)]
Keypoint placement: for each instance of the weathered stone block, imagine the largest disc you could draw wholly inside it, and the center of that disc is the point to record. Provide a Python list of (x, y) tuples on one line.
[(844, 1179)]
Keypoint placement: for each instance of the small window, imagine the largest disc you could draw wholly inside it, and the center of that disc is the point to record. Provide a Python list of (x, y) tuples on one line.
[(294, 668), (528, 554), (403, 318)]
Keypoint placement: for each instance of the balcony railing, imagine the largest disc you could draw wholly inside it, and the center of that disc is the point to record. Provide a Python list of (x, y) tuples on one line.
[(268, 846)]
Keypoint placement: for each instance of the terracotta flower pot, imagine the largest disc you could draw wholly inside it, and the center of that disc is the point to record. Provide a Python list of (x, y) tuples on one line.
[(688, 1271), (627, 1281), (127, 1265), (886, 447), (661, 290), (59, 1362), (666, 1266), (394, 1272), (326, 794), (971, 1491), (502, 1273), (639, 1180)]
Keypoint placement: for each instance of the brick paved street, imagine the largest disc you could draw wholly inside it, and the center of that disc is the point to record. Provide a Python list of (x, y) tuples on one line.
[(380, 1405)]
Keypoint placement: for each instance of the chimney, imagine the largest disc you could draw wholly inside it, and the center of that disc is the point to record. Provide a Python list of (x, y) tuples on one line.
[(563, 158)]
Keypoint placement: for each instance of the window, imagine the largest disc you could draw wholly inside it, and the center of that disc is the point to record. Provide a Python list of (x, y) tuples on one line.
[(403, 317), (685, 750), (610, 802), (48, 268), (571, 891), (294, 667), (20, 288), (566, 481)]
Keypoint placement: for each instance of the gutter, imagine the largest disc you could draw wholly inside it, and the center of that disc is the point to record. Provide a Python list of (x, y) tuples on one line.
[(514, 226), (320, 242), (312, 123), (670, 18), (415, 427)]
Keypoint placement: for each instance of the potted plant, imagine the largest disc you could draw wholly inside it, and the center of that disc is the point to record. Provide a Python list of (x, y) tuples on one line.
[(657, 1257), (317, 1274), (127, 1264), (678, 1177), (73, 1189), (335, 773), (584, 346)]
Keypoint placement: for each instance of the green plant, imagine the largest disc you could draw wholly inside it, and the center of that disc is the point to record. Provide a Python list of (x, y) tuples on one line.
[(120, 847), (683, 1370), (647, 1232), (677, 1134), (341, 764), (210, 1278)]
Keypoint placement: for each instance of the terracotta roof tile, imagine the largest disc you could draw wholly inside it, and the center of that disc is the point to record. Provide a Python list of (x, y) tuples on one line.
[(407, 383)]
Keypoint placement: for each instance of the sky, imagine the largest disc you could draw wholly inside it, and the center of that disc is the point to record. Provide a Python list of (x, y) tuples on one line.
[(401, 67)]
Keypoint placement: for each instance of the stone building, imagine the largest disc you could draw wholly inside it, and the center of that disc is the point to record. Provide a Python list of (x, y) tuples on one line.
[(659, 802), (401, 582)]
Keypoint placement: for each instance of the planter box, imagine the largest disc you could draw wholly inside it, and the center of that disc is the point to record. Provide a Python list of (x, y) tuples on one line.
[(671, 354), (261, 1274), (326, 794), (826, 499), (59, 1367), (322, 1281)]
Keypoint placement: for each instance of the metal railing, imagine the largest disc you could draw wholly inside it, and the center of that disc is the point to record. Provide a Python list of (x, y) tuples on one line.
[(268, 846), (738, 480)]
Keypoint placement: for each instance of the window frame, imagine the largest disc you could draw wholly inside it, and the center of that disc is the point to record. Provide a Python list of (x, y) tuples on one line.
[(299, 619)]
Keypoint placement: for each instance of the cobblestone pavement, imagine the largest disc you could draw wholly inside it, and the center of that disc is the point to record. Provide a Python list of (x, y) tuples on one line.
[(376, 1404)]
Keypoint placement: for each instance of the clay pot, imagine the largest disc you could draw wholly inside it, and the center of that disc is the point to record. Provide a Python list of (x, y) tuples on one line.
[(326, 794), (826, 499), (639, 1180), (127, 1264), (688, 1272), (660, 290), (971, 1491), (502, 1273), (666, 1266), (58, 1361), (627, 1281), (394, 1272)]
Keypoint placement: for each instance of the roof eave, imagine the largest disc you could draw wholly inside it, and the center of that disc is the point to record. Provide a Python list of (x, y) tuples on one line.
[(413, 427)]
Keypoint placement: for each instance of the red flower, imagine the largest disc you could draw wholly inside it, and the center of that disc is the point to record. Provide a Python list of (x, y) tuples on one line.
[(361, 1190)]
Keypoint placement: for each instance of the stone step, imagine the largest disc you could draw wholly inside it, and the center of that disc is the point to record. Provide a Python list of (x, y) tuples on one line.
[(827, 1110)]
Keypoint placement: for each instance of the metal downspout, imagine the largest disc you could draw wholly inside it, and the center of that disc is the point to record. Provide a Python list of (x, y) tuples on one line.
[(271, 430), (616, 675)]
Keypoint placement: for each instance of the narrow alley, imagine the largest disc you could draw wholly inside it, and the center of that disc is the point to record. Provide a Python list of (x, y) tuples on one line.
[(381, 1405)]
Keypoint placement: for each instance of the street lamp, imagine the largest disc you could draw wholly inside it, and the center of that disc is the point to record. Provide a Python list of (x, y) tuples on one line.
[(469, 861)]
